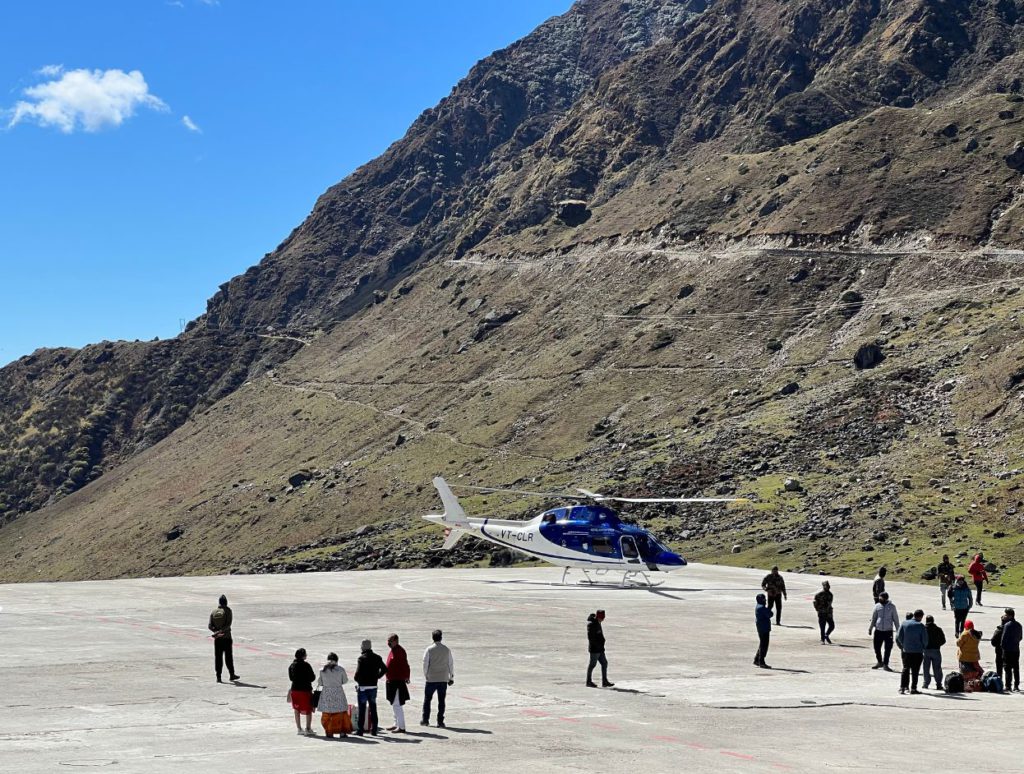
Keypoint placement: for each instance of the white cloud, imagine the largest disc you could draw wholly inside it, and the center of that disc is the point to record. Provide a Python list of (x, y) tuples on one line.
[(50, 71), (85, 99), (191, 125)]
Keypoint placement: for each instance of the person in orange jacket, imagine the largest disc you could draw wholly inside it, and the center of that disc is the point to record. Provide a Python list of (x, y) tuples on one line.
[(977, 571)]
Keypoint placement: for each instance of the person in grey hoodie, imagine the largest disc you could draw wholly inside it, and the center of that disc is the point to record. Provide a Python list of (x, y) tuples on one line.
[(439, 673), (884, 623), (913, 639), (932, 653)]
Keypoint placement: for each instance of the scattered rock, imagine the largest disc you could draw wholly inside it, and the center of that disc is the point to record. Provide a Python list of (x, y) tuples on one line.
[(1015, 159), (572, 212), (868, 356), (789, 389), (685, 291), (1006, 115), (799, 276), (737, 548), (299, 478), (792, 485), (175, 533)]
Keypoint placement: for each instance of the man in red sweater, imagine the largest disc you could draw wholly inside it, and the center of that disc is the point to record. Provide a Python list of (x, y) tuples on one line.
[(396, 682), (977, 571)]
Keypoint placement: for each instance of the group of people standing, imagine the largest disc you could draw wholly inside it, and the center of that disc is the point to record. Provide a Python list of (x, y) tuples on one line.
[(330, 700), (918, 637)]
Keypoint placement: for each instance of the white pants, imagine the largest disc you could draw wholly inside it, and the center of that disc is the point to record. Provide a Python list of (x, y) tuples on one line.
[(399, 713)]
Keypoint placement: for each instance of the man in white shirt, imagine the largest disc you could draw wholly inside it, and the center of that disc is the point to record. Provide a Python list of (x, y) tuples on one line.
[(439, 673), (885, 621)]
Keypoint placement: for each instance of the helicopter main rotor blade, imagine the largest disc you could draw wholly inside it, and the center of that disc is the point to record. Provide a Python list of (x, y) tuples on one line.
[(676, 499), (559, 495)]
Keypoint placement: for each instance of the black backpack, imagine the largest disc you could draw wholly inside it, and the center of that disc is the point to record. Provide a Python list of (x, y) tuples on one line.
[(954, 683)]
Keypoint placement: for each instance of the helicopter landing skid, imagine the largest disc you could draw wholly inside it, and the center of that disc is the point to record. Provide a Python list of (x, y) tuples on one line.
[(628, 577)]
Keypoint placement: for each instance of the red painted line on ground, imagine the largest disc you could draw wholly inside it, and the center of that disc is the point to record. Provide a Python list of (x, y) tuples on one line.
[(606, 726), (736, 755), (536, 713), (571, 720), (473, 698), (697, 746), (155, 628), (280, 655), (253, 649), (670, 739), (782, 767)]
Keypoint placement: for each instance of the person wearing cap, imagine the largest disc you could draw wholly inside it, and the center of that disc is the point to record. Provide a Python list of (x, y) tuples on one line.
[(884, 623), (932, 653), (220, 625), (595, 646), (913, 639), (333, 702), (961, 602), (438, 674), (396, 683), (774, 586), (1012, 635), (823, 606), (968, 653), (369, 669), (301, 693), (763, 622)]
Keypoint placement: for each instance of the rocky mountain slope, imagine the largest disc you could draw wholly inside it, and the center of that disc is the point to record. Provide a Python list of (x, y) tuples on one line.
[(660, 246)]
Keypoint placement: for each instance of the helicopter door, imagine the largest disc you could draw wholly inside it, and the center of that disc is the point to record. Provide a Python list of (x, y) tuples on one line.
[(629, 549)]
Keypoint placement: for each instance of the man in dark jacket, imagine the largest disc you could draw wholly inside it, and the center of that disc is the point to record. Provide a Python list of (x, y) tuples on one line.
[(1012, 635), (369, 669), (396, 683), (220, 625), (774, 586), (997, 644), (947, 575), (823, 606), (932, 653), (913, 639), (595, 644), (878, 587), (763, 622)]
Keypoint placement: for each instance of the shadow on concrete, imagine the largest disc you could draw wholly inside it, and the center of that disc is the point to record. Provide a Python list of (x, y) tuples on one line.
[(457, 730), (636, 692), (792, 671), (843, 645), (240, 684), (793, 626), (399, 739), (425, 735)]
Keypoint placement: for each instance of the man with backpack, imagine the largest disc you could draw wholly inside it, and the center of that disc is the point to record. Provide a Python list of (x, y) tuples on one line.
[(1012, 635), (961, 602), (774, 586), (885, 621), (220, 625), (932, 653), (823, 606)]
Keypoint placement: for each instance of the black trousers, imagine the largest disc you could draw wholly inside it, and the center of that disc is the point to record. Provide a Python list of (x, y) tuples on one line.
[(764, 639), (1011, 666), (911, 669), (595, 659), (999, 661), (777, 601), (978, 585), (429, 689), (883, 639), (826, 623), (222, 652), (959, 618)]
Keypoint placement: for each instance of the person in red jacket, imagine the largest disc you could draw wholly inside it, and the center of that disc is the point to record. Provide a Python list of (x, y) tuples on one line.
[(977, 571), (396, 682)]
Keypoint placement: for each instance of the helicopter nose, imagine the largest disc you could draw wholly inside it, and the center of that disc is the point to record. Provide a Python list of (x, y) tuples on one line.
[(668, 561)]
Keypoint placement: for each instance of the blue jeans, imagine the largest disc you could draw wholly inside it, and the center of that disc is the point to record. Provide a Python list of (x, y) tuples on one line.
[(367, 696), (933, 666), (441, 689)]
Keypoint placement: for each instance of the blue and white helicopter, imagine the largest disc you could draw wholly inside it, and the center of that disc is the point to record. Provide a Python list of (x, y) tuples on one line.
[(589, 537)]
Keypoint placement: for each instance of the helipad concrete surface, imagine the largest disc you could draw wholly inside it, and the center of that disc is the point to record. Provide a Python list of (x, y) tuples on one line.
[(118, 676)]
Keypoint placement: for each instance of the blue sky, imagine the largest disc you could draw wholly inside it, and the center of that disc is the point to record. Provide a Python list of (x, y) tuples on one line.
[(151, 150)]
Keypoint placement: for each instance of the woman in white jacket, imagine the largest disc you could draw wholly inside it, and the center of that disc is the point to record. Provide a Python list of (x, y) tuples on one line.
[(333, 703)]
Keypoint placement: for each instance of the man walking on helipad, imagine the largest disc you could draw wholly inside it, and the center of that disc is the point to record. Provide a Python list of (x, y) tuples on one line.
[(595, 645)]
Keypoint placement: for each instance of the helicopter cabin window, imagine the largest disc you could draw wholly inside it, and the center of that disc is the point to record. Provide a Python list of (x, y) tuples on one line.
[(603, 545), (549, 518)]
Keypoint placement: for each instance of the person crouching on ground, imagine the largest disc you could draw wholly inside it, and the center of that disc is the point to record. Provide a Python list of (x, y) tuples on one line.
[(968, 653), (369, 669), (333, 702), (396, 682), (301, 694), (763, 622)]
